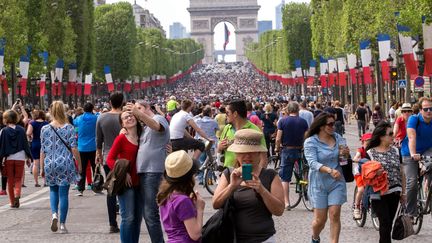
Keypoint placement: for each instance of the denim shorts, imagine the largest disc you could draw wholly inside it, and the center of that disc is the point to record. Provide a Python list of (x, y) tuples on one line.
[(323, 196), (288, 157)]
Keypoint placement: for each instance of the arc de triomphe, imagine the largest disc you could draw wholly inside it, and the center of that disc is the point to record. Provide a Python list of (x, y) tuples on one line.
[(206, 14)]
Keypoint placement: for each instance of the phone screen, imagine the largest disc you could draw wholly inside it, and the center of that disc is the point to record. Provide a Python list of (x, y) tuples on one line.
[(247, 172)]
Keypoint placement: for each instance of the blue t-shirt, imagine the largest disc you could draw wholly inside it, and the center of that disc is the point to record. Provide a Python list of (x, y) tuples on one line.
[(423, 132), (293, 130), (86, 125)]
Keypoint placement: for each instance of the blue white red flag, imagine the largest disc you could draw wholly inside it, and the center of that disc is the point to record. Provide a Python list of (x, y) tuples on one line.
[(427, 40), (108, 78), (227, 34), (366, 58), (406, 43)]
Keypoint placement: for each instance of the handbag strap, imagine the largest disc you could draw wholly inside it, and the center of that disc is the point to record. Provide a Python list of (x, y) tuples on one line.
[(58, 135)]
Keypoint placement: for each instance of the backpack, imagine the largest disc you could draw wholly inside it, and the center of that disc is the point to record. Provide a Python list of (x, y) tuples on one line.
[(220, 227)]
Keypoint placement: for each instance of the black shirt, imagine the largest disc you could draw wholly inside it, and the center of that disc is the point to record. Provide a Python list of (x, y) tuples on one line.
[(339, 115), (361, 113)]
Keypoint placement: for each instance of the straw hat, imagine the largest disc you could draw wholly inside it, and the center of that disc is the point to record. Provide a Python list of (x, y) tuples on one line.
[(247, 141), (178, 164), (406, 107)]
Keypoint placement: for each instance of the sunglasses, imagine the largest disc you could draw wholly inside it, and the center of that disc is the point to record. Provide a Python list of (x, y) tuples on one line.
[(330, 124), (429, 109), (406, 111), (390, 134)]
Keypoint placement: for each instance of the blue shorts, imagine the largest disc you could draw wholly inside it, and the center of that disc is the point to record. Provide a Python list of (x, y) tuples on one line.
[(323, 196), (288, 157)]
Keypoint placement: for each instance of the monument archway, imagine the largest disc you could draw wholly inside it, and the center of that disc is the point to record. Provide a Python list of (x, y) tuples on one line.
[(206, 14)]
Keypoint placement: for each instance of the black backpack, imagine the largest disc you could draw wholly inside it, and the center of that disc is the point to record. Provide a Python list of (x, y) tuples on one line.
[(220, 226)]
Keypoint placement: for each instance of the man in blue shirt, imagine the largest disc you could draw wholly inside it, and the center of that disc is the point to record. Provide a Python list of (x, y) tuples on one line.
[(86, 125), (418, 142), (290, 137)]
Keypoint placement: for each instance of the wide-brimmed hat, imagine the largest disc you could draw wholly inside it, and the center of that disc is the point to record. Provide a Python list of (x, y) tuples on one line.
[(179, 165), (247, 141), (406, 107)]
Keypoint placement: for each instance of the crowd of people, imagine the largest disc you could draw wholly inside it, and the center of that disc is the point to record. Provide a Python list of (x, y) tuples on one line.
[(243, 118)]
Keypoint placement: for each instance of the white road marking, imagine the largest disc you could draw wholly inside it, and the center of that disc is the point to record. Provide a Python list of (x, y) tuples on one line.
[(26, 200)]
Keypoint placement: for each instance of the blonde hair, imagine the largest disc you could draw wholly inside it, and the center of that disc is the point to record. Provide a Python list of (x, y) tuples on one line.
[(58, 112), (268, 108)]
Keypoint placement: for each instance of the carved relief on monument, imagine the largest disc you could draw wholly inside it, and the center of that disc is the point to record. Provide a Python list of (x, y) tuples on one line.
[(247, 40), (248, 23), (200, 24), (217, 20)]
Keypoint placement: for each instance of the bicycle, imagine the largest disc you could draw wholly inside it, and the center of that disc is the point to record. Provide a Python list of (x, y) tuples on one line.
[(424, 204), (299, 192), (211, 170), (366, 207), (274, 158)]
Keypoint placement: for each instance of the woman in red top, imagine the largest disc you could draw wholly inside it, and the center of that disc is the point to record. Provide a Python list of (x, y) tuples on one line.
[(125, 146), (399, 128)]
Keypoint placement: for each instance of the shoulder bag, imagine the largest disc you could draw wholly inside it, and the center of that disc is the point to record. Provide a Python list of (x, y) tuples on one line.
[(347, 170), (63, 141), (402, 227), (98, 179), (220, 227)]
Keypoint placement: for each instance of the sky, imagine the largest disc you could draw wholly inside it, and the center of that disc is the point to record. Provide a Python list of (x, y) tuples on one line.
[(170, 11)]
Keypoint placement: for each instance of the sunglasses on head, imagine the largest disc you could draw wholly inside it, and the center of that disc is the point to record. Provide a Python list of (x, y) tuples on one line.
[(428, 109)]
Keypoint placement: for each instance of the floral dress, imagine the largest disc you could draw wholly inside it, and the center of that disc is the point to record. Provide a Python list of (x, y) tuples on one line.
[(59, 165)]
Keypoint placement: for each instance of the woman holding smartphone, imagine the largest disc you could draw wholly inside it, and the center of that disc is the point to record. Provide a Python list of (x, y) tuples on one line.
[(257, 192)]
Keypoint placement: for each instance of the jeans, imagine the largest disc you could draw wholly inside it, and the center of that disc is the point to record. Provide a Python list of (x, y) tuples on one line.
[(130, 211), (111, 204), (385, 209), (86, 157), (14, 171), (288, 157), (149, 186), (361, 126), (339, 127), (60, 194)]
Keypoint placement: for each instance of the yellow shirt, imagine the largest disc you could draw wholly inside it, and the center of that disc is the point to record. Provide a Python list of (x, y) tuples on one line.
[(171, 105), (221, 121)]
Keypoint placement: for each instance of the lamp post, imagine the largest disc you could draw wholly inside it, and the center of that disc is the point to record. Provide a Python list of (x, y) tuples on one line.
[(403, 93), (327, 84), (420, 59), (348, 86), (33, 89), (390, 84), (335, 85), (372, 68), (19, 76)]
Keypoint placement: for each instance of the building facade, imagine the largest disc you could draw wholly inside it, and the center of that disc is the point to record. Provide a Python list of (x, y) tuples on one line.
[(145, 19), (99, 2), (177, 31), (279, 15), (264, 25)]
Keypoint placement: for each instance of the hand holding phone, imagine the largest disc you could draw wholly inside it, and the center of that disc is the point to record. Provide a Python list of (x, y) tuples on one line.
[(247, 172)]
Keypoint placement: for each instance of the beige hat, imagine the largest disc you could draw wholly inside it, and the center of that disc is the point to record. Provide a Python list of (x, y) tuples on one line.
[(406, 107), (178, 164), (172, 97), (247, 141)]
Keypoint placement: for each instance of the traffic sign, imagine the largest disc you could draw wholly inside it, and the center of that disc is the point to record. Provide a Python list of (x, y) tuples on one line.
[(419, 81), (402, 83)]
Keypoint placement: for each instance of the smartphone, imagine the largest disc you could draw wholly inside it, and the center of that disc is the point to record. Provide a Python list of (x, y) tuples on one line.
[(247, 172)]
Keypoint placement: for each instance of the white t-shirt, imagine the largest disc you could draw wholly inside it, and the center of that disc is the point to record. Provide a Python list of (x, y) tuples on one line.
[(392, 114), (178, 124)]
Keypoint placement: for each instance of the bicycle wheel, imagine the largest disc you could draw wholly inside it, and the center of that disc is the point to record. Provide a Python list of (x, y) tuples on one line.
[(275, 162), (360, 222), (211, 179), (295, 187), (305, 196), (418, 221), (375, 220)]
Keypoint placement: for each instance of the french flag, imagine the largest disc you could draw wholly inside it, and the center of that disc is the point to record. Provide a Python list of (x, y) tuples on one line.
[(42, 85), (227, 34), (366, 58), (352, 63), (71, 88), (427, 40), (299, 71), (332, 64), (128, 85), (342, 64), (24, 66), (312, 70), (79, 85), (108, 78), (59, 76), (3, 83), (407, 52), (88, 84), (384, 52), (294, 77), (323, 70)]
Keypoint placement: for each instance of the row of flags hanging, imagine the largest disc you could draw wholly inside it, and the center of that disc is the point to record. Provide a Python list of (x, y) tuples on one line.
[(333, 70), (75, 81)]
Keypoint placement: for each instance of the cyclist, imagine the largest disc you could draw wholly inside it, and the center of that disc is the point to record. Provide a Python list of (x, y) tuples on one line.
[(180, 138), (417, 143), (290, 137), (360, 154)]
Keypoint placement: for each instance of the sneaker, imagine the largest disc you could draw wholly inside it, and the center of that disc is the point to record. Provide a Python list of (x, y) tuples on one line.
[(315, 240), (114, 229), (357, 214), (37, 185), (75, 188), (63, 229), (3, 192), (54, 221), (16, 202), (89, 187), (288, 207), (79, 194), (23, 185)]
